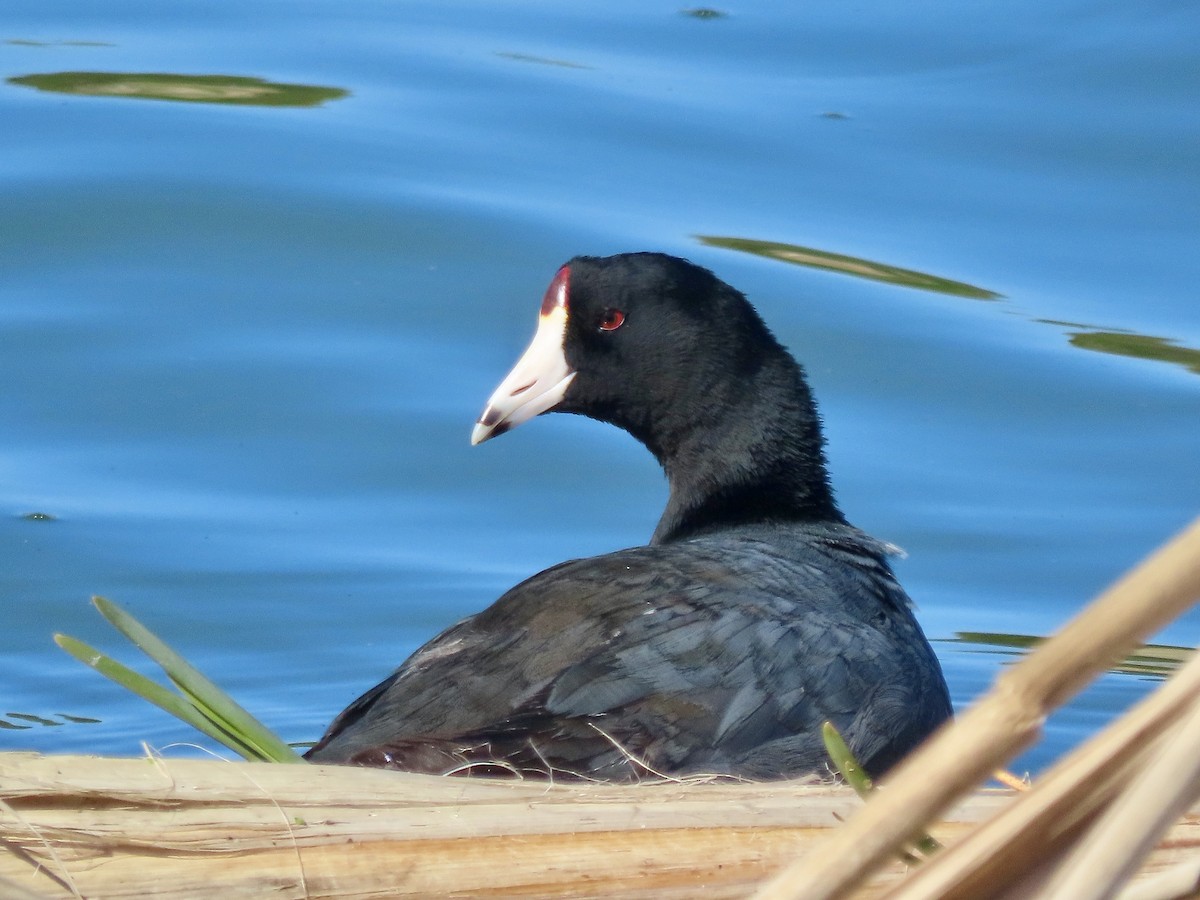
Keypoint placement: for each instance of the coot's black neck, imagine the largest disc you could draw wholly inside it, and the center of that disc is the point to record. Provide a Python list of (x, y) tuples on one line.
[(749, 451)]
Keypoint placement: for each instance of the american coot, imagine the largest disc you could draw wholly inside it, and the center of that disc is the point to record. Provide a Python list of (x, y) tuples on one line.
[(755, 613)]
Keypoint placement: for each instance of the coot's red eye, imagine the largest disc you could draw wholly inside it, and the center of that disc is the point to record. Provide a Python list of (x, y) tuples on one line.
[(611, 319)]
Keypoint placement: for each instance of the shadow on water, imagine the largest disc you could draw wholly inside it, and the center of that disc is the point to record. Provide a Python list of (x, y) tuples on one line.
[(1112, 341), (228, 89)]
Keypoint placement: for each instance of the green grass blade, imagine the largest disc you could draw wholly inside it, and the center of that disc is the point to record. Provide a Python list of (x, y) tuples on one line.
[(844, 761), (209, 700), (856, 776), (148, 690)]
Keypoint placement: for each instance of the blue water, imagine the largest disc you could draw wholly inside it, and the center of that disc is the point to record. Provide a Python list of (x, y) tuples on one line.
[(242, 346)]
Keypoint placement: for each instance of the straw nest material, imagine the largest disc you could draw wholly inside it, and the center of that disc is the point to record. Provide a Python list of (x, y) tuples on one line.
[(152, 827)]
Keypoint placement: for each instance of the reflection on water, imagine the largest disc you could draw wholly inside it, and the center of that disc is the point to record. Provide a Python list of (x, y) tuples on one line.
[(15, 721), (230, 89), (849, 265), (1149, 661), (1122, 343), (22, 42), (1140, 346), (541, 60)]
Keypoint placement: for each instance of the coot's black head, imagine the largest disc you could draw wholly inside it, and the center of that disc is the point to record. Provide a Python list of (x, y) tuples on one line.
[(667, 351), (640, 340)]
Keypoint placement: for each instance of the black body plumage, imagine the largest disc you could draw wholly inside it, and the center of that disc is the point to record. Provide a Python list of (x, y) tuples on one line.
[(755, 614)]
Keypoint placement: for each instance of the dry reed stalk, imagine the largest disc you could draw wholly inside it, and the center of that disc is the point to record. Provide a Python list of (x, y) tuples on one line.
[(1134, 822), (11, 889), (1001, 724), (157, 828), (1175, 883), (1042, 821), (152, 828)]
